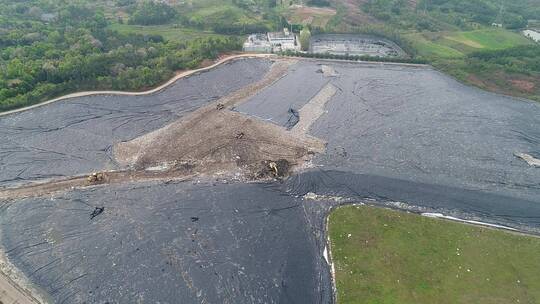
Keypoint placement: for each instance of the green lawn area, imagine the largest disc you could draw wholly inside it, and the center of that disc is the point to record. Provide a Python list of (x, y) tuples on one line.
[(492, 39), (386, 256), (457, 44), (169, 32), (431, 49)]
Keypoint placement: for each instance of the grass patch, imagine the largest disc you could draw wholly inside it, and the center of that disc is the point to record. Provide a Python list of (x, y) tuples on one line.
[(492, 39), (385, 256), (431, 49), (168, 32), (457, 44)]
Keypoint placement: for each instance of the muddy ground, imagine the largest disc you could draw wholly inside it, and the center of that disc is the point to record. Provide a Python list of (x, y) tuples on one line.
[(185, 216)]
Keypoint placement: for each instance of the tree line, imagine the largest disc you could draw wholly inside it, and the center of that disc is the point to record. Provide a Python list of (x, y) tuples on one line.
[(76, 51)]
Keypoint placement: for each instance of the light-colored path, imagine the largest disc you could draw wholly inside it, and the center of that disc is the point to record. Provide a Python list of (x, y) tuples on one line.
[(11, 293), (161, 87), (311, 111)]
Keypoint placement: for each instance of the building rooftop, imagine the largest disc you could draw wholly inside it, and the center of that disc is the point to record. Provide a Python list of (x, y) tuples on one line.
[(285, 34)]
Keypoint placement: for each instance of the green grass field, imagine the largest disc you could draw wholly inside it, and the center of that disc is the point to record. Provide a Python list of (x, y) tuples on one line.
[(385, 256), (169, 32), (492, 39), (457, 44)]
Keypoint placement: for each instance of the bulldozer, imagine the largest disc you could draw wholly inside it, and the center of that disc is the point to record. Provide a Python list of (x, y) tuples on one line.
[(96, 177), (273, 166)]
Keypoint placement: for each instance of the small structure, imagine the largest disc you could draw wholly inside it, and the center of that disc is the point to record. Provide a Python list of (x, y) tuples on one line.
[(257, 43), (282, 41), (272, 42), (534, 35), (48, 17)]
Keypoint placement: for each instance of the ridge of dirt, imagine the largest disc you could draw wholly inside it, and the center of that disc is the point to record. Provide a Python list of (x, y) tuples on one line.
[(111, 177)]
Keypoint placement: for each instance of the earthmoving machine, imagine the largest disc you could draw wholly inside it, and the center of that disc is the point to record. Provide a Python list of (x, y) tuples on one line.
[(96, 177)]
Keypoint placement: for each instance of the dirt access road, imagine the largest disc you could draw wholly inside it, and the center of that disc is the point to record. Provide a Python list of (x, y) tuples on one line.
[(12, 293)]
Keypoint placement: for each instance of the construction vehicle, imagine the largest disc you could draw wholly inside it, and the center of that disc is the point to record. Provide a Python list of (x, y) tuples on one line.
[(96, 177)]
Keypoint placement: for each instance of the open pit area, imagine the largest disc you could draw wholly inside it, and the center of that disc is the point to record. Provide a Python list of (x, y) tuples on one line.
[(216, 189), (354, 45)]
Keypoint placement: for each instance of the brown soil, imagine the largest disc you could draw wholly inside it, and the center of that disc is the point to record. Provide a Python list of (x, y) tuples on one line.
[(355, 15), (11, 291), (307, 14), (213, 141), (523, 85), (117, 177), (477, 81), (507, 84)]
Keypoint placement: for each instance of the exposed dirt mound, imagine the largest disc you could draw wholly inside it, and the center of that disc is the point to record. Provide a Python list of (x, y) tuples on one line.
[(216, 141)]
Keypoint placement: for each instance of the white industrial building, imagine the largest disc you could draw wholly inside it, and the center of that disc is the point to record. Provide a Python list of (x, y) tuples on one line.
[(532, 34), (272, 42), (283, 41), (257, 43)]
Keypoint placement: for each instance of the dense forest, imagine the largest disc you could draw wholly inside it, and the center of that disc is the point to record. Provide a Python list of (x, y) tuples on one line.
[(48, 48), (435, 15), (476, 41)]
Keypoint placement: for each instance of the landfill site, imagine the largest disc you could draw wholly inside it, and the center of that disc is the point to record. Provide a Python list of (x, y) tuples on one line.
[(216, 189)]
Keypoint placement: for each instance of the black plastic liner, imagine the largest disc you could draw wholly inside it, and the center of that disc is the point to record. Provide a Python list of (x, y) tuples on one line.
[(170, 243)]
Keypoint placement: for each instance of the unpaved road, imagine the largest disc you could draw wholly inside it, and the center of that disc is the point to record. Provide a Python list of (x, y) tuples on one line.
[(11, 292)]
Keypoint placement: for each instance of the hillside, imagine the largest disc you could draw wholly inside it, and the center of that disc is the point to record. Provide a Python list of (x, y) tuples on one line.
[(465, 39)]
